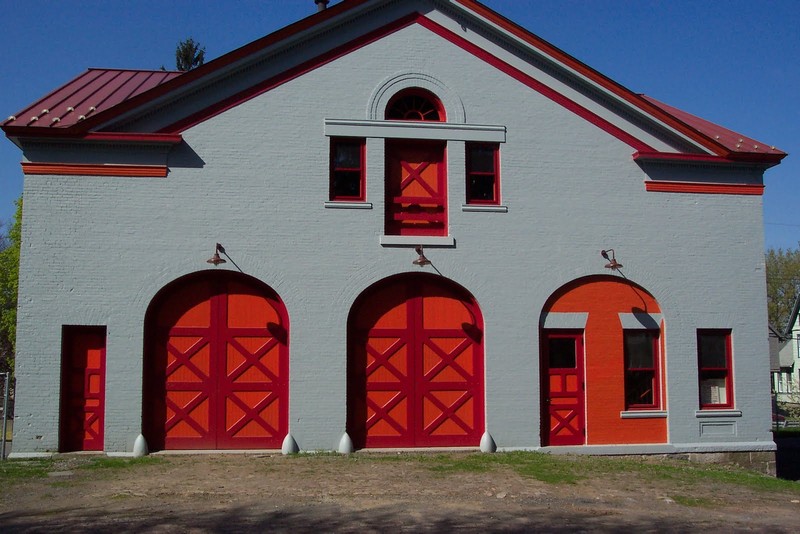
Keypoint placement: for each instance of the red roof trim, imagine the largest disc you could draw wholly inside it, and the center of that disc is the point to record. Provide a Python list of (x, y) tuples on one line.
[(531, 82), (220, 62), (595, 76), (289, 74), (702, 187), (89, 169), (118, 137), (767, 159), (504, 67)]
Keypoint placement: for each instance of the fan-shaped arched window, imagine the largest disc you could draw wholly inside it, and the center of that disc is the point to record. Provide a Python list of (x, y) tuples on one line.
[(415, 105)]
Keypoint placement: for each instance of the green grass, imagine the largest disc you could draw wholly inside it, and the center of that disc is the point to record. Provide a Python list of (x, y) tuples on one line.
[(17, 470), (105, 462)]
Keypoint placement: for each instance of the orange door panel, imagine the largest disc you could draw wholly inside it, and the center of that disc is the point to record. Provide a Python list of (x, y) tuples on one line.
[(219, 378), (83, 377), (563, 389), (416, 188), (415, 367)]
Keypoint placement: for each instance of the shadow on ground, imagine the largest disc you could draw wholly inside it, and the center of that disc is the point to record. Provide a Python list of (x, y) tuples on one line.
[(331, 518)]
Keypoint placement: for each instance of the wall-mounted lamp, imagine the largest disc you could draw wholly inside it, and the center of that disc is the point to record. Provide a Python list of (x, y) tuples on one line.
[(612, 264), (422, 261), (215, 259)]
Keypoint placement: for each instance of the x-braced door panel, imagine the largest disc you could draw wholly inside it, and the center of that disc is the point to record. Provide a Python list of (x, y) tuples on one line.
[(221, 364), (563, 389), (83, 377), (416, 188), (416, 368)]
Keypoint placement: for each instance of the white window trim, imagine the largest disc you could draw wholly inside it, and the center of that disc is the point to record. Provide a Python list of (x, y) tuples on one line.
[(494, 208), (414, 240), (704, 414), (643, 414), (340, 204), (439, 131)]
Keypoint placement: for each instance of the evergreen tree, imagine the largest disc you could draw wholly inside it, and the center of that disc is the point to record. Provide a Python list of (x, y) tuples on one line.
[(189, 55)]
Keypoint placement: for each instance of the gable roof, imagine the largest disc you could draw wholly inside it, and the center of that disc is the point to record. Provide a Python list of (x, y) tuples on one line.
[(119, 92)]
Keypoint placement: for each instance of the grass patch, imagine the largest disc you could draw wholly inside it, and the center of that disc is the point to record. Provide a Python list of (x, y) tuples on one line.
[(105, 462), (17, 470)]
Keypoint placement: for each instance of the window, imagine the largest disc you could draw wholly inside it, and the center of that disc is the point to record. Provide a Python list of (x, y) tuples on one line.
[(347, 169), (415, 105), (641, 369), (482, 173), (714, 367)]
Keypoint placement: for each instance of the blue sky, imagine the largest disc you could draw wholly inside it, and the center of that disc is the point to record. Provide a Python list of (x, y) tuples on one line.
[(734, 62)]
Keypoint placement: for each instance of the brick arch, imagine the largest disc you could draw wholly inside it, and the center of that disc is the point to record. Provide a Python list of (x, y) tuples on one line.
[(216, 364), (415, 365), (593, 312), (388, 88)]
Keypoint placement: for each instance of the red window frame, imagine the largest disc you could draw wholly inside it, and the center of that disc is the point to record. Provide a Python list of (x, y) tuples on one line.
[(477, 193), (710, 373), (344, 175), (642, 381)]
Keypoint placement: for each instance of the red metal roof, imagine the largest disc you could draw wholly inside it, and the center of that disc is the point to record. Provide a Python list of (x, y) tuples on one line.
[(92, 92), (100, 95), (735, 142)]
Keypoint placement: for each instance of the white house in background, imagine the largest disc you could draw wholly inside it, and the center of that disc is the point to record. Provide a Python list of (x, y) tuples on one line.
[(419, 214), (786, 374)]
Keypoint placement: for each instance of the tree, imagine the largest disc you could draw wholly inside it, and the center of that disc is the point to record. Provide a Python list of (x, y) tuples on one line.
[(9, 285), (189, 55), (783, 284)]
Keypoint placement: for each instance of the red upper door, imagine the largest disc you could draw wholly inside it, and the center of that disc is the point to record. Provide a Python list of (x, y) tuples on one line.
[(563, 389), (415, 367), (83, 377), (219, 378), (416, 188)]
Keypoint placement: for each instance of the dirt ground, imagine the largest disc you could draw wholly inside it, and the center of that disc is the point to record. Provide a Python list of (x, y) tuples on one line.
[(373, 493)]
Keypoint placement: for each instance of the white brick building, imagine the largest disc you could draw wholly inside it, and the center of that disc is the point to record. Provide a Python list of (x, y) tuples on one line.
[(329, 160)]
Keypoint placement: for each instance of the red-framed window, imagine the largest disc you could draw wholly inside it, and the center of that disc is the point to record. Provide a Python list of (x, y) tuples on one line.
[(642, 376), (715, 369), (483, 173), (415, 104), (348, 176)]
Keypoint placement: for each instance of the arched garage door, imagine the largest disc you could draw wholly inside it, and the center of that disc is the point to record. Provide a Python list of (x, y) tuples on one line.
[(415, 365), (217, 363)]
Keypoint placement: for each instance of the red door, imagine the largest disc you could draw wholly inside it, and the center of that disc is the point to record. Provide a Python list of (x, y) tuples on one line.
[(563, 389), (219, 372), (83, 377), (416, 188), (415, 366)]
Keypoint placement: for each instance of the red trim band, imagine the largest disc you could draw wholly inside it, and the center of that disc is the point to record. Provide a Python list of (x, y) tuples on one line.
[(94, 169), (707, 188), (766, 159)]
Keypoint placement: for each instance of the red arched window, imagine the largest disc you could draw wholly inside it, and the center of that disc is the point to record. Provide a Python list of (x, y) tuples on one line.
[(415, 105)]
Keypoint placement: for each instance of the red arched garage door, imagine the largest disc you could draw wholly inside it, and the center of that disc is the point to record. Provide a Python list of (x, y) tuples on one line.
[(217, 365), (415, 365)]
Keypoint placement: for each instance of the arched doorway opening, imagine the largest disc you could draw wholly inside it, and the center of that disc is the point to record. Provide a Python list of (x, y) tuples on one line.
[(602, 364), (415, 365), (216, 372)]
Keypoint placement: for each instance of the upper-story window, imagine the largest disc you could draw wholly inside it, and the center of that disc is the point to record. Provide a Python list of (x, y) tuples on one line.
[(347, 175), (415, 105), (483, 172)]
